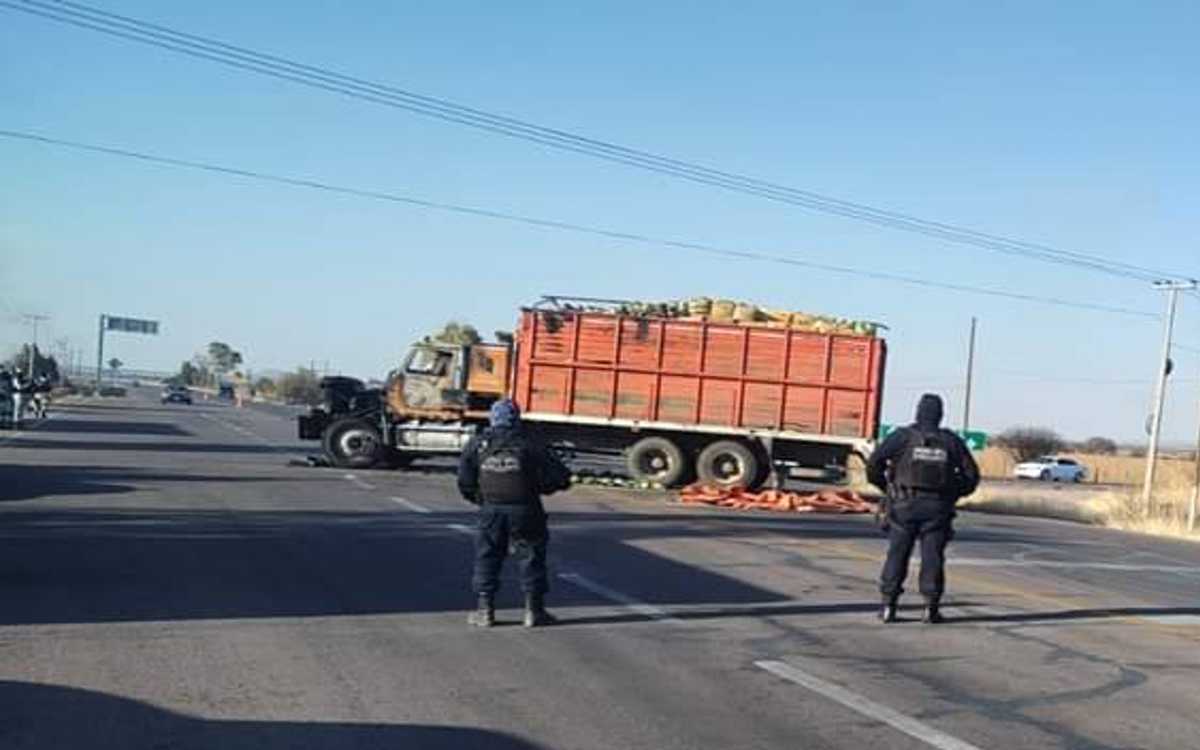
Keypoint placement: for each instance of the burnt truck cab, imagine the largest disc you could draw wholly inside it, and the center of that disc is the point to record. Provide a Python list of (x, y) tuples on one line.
[(432, 404)]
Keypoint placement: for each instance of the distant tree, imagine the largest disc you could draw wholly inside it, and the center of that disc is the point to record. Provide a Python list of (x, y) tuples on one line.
[(115, 364), (455, 332), (191, 374), (43, 364), (299, 387), (265, 387), (1100, 446), (1024, 443), (223, 358)]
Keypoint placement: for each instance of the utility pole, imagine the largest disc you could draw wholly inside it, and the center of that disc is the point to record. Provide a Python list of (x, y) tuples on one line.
[(970, 376), (1195, 487), (1172, 288), (34, 319), (100, 352)]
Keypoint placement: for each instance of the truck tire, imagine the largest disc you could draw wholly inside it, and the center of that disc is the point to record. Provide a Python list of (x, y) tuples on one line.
[(656, 459), (352, 444), (726, 463)]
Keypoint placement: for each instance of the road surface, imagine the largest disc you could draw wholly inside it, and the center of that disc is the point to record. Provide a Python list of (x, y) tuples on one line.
[(168, 580)]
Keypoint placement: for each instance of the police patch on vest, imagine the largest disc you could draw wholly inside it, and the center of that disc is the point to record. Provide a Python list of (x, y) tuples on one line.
[(925, 464), (507, 473), (501, 464), (930, 455)]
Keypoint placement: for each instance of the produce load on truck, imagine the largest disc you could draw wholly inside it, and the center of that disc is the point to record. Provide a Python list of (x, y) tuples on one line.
[(677, 396), (732, 311)]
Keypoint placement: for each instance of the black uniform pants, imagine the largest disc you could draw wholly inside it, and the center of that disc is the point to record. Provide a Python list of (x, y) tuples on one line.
[(927, 522), (521, 528)]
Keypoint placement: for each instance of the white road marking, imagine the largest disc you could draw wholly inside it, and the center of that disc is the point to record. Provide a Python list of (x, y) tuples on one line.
[(1172, 619), (416, 507), (358, 482), (631, 604), (867, 707), (998, 562)]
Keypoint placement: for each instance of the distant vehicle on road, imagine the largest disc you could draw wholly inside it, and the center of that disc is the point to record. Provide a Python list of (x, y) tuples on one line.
[(176, 394), (1051, 469), (225, 391)]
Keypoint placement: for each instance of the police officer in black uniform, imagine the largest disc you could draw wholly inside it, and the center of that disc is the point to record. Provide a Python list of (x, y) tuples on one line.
[(924, 470), (505, 471)]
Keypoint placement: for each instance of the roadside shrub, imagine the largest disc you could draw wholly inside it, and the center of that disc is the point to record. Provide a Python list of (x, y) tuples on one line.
[(1100, 446), (299, 387), (1025, 443)]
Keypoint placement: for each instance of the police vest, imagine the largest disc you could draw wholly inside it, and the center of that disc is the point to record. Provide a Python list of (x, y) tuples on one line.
[(507, 474), (924, 466)]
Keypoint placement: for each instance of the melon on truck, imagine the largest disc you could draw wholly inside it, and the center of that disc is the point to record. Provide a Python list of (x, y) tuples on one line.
[(679, 398)]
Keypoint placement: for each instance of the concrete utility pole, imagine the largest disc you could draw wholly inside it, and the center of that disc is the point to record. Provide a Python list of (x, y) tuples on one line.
[(1195, 501), (1172, 288), (970, 376), (1195, 487)]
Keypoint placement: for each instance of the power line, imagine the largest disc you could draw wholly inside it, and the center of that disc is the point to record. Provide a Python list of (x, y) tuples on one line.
[(132, 29), (613, 234)]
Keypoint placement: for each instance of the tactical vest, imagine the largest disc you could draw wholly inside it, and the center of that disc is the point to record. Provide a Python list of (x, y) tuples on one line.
[(507, 475), (924, 466)]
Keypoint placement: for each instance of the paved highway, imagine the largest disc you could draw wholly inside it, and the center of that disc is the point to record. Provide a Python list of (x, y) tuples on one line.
[(169, 580)]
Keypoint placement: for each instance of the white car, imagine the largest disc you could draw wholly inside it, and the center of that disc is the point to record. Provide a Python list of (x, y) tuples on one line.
[(1051, 469)]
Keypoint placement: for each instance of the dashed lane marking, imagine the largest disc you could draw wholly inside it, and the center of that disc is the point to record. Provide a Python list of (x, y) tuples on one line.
[(867, 707), (998, 562), (415, 507), (631, 604), (358, 482)]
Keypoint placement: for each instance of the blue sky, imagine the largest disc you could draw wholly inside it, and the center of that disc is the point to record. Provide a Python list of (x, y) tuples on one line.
[(1069, 124)]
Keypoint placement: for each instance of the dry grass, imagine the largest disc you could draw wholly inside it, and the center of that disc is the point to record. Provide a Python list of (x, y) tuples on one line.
[(1117, 504), (1043, 501)]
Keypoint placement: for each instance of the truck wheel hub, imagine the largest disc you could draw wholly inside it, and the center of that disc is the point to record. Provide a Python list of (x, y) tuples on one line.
[(356, 443), (728, 467)]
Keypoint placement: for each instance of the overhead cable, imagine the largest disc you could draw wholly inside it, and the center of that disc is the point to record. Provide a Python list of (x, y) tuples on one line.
[(133, 29), (555, 224)]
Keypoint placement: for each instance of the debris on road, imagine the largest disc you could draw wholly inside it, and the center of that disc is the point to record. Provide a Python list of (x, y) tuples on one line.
[(824, 501), (613, 479), (316, 462)]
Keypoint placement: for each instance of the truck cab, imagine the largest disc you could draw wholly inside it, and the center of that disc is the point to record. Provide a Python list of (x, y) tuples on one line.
[(431, 404)]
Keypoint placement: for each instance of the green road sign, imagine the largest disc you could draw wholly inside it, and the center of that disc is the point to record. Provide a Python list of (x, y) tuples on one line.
[(975, 439), (131, 325)]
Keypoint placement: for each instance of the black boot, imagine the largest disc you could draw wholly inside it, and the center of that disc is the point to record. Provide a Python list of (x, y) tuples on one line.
[(484, 615), (933, 612), (536, 615), (888, 613)]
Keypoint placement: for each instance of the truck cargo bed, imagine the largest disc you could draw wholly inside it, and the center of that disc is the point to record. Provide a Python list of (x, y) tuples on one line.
[(606, 366)]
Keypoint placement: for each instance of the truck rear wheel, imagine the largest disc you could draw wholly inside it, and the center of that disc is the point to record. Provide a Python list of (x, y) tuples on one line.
[(726, 463), (352, 444), (656, 459)]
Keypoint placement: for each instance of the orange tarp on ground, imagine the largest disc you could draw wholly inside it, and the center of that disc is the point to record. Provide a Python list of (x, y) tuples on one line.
[(825, 501)]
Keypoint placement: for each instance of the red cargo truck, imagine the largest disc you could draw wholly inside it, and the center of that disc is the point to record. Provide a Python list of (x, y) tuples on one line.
[(678, 398)]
